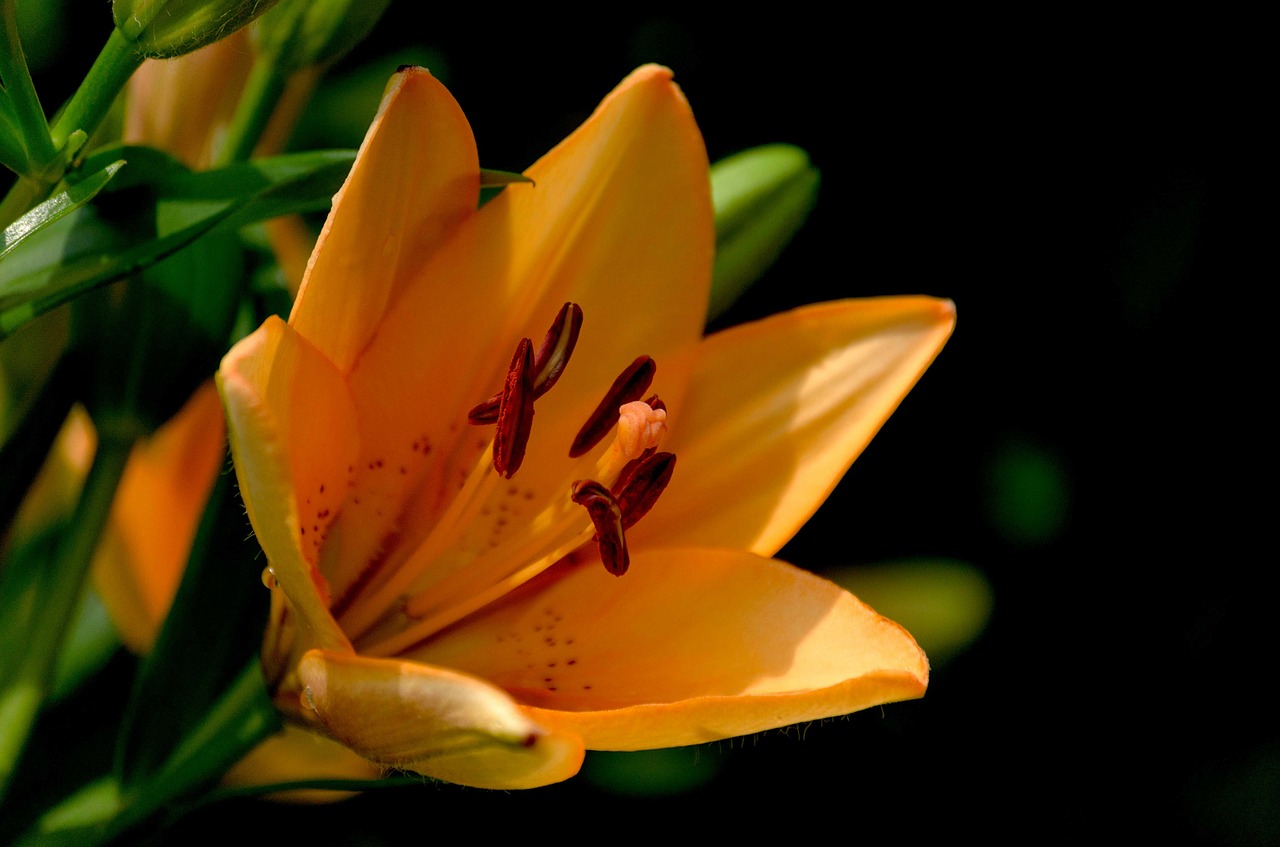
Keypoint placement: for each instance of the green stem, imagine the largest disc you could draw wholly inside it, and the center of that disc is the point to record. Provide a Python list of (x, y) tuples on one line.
[(104, 82), (24, 692), (262, 91), (82, 114)]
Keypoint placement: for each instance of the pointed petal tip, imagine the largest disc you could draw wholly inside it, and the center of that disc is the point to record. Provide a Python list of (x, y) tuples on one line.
[(946, 311), (649, 71), (404, 77), (656, 76)]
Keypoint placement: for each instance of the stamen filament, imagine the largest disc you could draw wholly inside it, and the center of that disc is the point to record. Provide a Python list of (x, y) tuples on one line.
[(472, 584), (420, 630), (367, 608)]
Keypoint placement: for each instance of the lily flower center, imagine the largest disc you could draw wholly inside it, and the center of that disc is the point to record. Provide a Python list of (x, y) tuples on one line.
[(485, 543)]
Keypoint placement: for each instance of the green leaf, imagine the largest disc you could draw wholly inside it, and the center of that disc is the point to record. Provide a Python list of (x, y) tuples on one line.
[(104, 810), (81, 812), (214, 628), (83, 251), (492, 182), (13, 152), (56, 208), (21, 104), (91, 641), (490, 178), (242, 718)]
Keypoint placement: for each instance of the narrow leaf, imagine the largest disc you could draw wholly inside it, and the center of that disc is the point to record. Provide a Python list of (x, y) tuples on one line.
[(83, 252), (217, 615), (56, 208), (492, 182)]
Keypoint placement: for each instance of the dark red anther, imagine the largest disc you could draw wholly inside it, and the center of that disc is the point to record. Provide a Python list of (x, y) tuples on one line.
[(630, 386), (552, 358), (653, 401), (640, 483), (606, 517), (557, 347), (515, 412)]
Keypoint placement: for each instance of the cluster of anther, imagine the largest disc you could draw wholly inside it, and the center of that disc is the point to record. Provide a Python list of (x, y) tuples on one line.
[(612, 508)]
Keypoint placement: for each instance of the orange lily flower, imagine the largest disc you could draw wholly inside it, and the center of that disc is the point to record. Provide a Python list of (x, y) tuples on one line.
[(472, 591)]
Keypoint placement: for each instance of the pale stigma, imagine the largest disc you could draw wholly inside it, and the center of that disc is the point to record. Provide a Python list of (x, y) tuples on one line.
[(640, 428)]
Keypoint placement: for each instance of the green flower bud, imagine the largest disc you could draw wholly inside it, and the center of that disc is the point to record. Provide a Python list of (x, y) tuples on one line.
[(762, 197), (162, 29), (304, 33)]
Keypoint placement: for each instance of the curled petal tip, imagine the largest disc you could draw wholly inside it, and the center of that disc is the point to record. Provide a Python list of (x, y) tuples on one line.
[(434, 721)]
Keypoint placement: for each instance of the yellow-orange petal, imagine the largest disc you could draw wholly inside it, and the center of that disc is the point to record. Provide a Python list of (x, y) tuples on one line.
[(778, 410), (434, 721), (157, 508), (294, 438), (619, 220), (691, 645), (294, 754), (415, 177)]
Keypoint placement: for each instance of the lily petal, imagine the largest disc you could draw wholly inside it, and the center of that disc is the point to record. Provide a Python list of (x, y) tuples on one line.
[(294, 438), (434, 721), (140, 560), (416, 175), (619, 220), (778, 410), (692, 645)]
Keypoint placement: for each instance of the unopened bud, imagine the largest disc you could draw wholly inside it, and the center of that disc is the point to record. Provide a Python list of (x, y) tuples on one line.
[(162, 29), (306, 33), (762, 197)]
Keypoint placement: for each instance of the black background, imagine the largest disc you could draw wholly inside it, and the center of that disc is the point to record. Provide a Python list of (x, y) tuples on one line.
[(1084, 187)]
